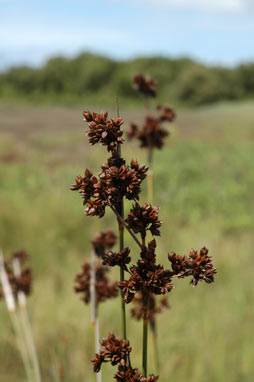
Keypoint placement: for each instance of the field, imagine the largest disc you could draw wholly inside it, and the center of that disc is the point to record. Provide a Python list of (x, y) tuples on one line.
[(204, 183)]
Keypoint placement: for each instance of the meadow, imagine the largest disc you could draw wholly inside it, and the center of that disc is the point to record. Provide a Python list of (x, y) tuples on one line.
[(204, 183)]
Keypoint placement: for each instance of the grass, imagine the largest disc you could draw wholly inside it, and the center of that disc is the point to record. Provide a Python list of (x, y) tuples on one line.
[(204, 184)]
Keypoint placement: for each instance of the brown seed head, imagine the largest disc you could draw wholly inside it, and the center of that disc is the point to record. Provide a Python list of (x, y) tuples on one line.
[(103, 287), (113, 350), (103, 241), (121, 258), (144, 218), (197, 265), (147, 277), (104, 131), (145, 85)]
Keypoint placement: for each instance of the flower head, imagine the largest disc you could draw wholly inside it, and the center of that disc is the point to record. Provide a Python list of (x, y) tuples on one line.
[(145, 85), (144, 218), (85, 185), (113, 350), (197, 264), (104, 131), (167, 113), (103, 241), (121, 258), (103, 287), (20, 283), (147, 277)]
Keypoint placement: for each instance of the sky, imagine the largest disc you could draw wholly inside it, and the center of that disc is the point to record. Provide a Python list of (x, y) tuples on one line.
[(211, 31)]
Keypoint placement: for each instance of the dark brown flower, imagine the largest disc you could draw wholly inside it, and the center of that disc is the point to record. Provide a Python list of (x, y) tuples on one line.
[(113, 350), (124, 181), (197, 265), (102, 130), (116, 181), (103, 287), (85, 185), (24, 281), (132, 131), (127, 374), (147, 277), (155, 306), (21, 255), (121, 258), (144, 218), (145, 85), (152, 134), (167, 113), (103, 241)]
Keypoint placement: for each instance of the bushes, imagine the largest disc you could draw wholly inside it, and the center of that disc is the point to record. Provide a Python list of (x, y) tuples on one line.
[(179, 80)]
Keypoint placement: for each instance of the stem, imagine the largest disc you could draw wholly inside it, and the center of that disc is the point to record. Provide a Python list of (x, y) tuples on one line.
[(11, 306), (145, 333), (126, 226), (150, 176), (120, 216), (94, 309), (25, 322), (155, 346), (121, 247)]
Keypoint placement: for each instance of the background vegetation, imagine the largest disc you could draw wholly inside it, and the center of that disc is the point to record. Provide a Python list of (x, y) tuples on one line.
[(204, 184), (90, 79)]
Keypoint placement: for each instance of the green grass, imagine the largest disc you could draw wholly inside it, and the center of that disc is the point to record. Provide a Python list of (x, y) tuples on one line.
[(204, 183)]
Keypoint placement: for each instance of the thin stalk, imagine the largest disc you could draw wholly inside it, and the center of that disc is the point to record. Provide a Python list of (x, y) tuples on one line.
[(94, 309), (25, 322), (123, 312), (150, 195), (155, 346), (126, 226), (150, 176), (11, 306), (145, 334), (121, 240)]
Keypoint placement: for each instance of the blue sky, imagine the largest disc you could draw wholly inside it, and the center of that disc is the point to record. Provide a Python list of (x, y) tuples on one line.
[(213, 31)]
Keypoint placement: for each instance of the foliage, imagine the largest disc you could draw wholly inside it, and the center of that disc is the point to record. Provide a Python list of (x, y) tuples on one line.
[(68, 81)]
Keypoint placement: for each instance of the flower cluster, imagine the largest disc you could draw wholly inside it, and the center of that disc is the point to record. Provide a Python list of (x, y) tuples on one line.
[(113, 350), (128, 374), (145, 85), (197, 265), (117, 352), (103, 241), (102, 130), (167, 113), (116, 181), (151, 134), (85, 185), (137, 310), (147, 277), (21, 255), (24, 281), (144, 218), (120, 258), (103, 287)]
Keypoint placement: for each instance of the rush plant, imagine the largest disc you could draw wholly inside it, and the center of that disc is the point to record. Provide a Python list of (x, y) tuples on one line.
[(16, 282), (145, 279)]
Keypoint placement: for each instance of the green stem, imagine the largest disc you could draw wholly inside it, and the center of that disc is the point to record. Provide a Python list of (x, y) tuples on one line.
[(150, 176), (145, 334), (155, 347), (121, 239), (123, 313)]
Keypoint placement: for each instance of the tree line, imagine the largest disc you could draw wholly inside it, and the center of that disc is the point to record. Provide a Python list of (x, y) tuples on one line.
[(82, 78)]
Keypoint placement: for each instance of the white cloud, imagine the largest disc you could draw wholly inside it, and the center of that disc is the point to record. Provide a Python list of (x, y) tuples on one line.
[(204, 5)]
